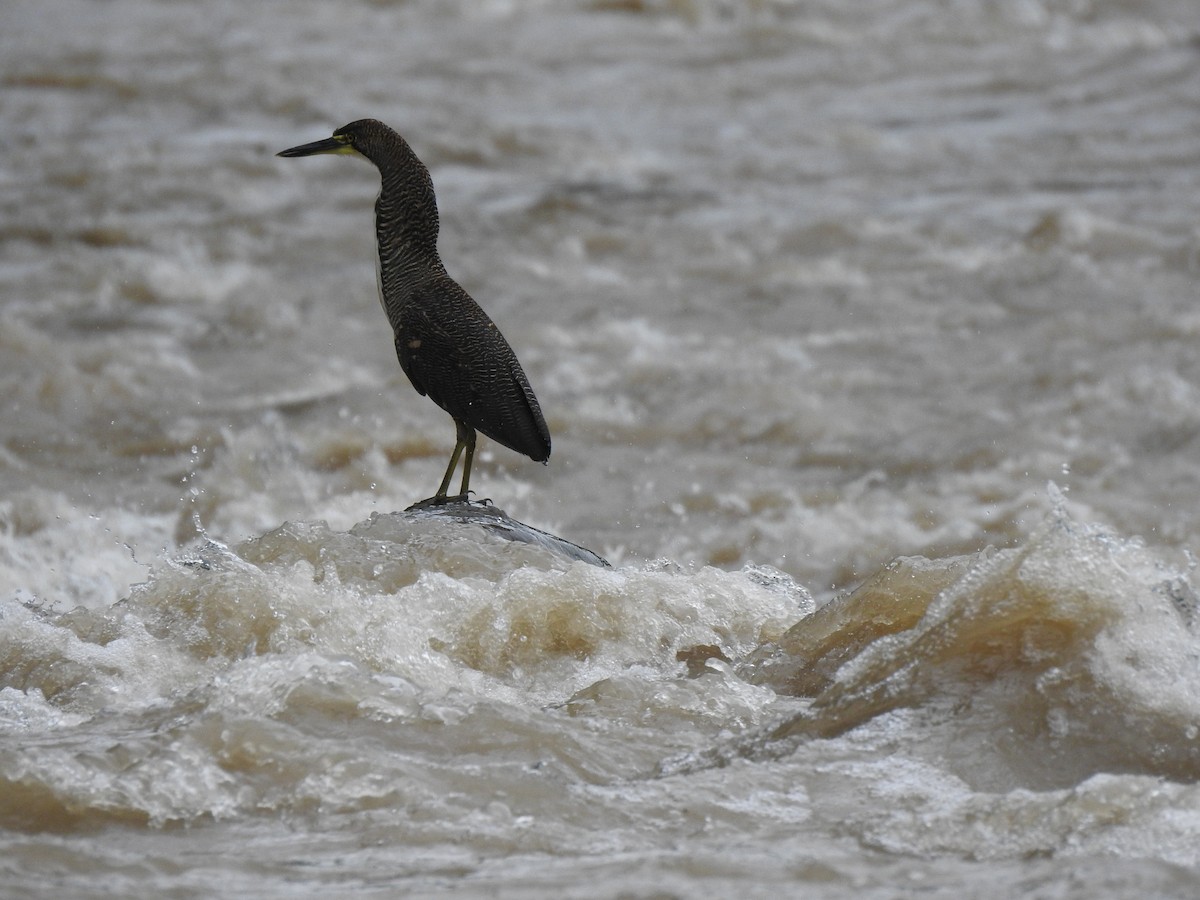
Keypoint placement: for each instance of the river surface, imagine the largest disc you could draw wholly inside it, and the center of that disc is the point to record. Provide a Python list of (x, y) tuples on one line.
[(867, 337)]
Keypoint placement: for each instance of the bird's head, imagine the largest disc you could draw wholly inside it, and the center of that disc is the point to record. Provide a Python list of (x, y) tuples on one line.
[(406, 182), (359, 137)]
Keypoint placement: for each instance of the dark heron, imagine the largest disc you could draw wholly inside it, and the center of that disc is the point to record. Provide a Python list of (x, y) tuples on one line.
[(448, 347)]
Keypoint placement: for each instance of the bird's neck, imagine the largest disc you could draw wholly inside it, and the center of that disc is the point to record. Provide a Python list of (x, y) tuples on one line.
[(406, 217)]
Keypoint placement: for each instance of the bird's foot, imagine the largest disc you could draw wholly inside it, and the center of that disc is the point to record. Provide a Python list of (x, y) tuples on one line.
[(429, 502), (442, 500)]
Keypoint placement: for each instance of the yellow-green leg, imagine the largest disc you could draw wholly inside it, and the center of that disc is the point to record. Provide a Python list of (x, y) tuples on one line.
[(466, 441)]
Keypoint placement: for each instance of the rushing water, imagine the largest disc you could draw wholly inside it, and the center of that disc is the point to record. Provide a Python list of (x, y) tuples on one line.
[(866, 334)]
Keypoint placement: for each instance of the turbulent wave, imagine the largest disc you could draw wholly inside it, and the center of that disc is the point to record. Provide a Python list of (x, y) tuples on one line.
[(308, 671), (203, 692), (1033, 667)]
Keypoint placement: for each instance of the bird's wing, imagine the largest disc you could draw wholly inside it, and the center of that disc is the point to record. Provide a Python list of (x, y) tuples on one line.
[(451, 351)]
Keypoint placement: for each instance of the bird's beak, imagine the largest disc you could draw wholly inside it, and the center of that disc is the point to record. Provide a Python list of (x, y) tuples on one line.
[(329, 145)]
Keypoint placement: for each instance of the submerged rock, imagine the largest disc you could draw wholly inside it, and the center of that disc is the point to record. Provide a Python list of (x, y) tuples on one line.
[(497, 521)]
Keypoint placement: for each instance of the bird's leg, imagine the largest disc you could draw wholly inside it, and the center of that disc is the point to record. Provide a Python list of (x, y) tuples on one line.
[(466, 441), (440, 496), (466, 435)]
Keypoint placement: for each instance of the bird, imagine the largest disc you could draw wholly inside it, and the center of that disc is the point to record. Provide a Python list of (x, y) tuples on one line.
[(447, 345)]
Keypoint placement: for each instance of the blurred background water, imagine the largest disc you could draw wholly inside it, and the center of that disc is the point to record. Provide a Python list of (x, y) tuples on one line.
[(803, 288)]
